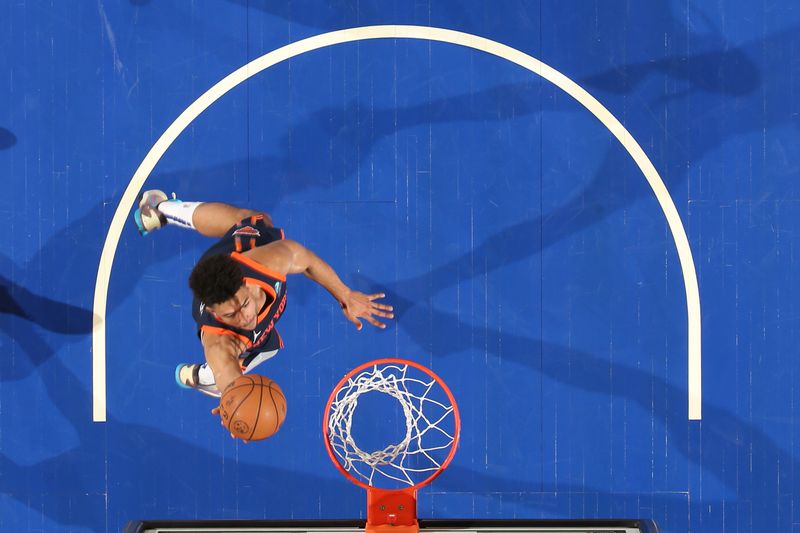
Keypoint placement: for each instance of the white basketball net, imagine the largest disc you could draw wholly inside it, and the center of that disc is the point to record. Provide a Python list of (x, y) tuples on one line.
[(410, 458)]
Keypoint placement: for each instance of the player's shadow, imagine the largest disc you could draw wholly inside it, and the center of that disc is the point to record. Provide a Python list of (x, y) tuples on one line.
[(716, 65), (723, 433), (33, 321), (50, 314), (7, 139), (719, 68), (336, 130), (722, 72), (29, 322), (722, 68), (715, 82), (728, 72), (70, 488), (604, 194)]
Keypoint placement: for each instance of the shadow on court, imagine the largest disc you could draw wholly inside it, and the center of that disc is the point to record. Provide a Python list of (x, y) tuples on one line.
[(729, 73), (201, 484), (723, 435), (32, 320), (140, 457), (7, 139), (336, 130)]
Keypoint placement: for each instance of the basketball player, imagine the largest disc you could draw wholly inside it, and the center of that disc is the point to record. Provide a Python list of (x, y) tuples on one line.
[(239, 286)]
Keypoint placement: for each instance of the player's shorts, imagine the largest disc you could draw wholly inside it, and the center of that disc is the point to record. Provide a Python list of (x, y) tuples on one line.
[(247, 234)]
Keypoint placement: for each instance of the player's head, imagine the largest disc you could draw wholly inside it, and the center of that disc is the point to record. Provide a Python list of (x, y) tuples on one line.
[(218, 282)]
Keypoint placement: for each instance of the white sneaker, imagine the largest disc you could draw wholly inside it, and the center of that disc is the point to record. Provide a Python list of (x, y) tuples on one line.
[(188, 377), (148, 218)]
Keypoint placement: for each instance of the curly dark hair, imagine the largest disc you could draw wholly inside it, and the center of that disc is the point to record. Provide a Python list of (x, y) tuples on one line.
[(216, 279)]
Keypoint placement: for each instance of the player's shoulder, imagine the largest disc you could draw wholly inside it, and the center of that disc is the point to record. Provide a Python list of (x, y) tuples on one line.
[(269, 249), (275, 256)]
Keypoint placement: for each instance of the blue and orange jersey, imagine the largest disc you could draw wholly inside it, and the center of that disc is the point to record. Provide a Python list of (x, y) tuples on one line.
[(246, 235)]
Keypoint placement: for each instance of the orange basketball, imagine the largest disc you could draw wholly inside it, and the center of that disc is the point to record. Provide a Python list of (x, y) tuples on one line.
[(253, 407)]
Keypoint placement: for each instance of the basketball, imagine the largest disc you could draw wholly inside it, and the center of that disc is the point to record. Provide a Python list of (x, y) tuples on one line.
[(253, 407)]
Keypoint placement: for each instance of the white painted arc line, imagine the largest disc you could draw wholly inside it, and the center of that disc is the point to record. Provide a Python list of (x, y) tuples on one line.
[(388, 32)]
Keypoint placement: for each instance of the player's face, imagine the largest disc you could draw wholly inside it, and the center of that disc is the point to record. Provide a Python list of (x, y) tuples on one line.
[(239, 312)]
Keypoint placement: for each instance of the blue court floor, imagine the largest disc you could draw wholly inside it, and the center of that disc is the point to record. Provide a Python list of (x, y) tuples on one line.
[(526, 248)]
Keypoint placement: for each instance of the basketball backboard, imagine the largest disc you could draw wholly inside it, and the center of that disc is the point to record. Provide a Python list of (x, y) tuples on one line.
[(429, 526)]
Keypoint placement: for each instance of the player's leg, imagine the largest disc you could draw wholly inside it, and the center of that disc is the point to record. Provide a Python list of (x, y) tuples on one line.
[(201, 378), (212, 219), (197, 376)]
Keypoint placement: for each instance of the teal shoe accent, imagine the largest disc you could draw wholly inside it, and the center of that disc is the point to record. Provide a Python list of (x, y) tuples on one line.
[(177, 379), (137, 217)]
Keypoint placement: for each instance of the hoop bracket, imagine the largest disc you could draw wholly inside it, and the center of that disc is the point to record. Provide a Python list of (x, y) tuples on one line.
[(392, 511)]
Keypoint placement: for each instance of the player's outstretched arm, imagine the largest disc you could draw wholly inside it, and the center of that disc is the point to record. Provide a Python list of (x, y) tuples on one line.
[(290, 257), (222, 354)]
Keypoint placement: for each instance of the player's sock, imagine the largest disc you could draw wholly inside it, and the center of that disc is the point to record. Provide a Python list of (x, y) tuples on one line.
[(179, 212)]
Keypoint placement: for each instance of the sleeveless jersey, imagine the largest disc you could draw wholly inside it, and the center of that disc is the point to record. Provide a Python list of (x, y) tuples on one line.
[(247, 234), (264, 338)]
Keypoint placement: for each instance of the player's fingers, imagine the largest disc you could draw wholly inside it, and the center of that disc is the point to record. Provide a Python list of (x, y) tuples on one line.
[(383, 307), (376, 296), (384, 315), (375, 323), (215, 411)]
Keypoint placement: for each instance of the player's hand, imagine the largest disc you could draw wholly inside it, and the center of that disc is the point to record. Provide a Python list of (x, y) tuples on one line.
[(357, 305), (215, 411)]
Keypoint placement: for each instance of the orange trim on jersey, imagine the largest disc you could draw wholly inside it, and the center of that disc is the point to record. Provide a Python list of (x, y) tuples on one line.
[(280, 339), (222, 331), (266, 287), (257, 266), (252, 242), (238, 242)]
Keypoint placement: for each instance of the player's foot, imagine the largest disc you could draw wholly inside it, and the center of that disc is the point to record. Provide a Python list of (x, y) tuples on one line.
[(188, 377), (148, 218)]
